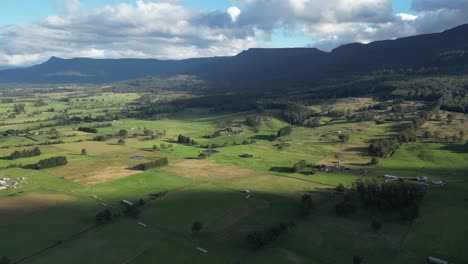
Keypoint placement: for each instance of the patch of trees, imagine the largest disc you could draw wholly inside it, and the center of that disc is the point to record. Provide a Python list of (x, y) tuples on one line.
[(39, 103), (197, 226), (253, 120), (383, 147), (246, 156), (336, 113), (259, 239), (7, 100), (181, 139), (365, 116), (88, 129), (347, 206), (284, 131), (296, 113), (25, 153), (313, 122), (397, 196), (19, 108), (153, 164), (299, 166), (51, 162)]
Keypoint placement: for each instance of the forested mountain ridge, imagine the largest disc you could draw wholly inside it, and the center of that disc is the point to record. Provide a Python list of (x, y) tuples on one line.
[(444, 53)]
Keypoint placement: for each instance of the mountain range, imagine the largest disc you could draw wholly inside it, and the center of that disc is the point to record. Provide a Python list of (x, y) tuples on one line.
[(445, 52)]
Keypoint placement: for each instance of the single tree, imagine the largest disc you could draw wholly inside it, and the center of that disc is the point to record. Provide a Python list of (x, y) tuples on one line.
[(340, 188), (450, 118), (197, 226), (121, 141), (343, 138), (123, 133), (84, 152)]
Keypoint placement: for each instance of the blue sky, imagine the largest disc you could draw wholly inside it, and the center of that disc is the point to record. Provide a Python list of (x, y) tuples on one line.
[(33, 30)]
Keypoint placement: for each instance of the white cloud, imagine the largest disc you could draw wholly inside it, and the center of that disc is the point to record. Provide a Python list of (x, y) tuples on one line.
[(407, 17), (166, 29), (234, 12)]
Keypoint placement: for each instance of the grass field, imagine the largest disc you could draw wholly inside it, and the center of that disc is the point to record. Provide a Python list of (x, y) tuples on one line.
[(51, 218)]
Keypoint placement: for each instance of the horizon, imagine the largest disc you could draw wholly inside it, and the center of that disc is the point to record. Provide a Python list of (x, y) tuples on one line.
[(182, 29)]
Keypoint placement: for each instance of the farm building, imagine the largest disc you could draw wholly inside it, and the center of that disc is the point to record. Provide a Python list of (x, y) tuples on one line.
[(127, 202), (432, 260)]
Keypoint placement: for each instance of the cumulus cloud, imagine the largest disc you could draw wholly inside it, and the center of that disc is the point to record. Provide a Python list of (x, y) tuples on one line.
[(166, 29), (234, 12), (157, 29)]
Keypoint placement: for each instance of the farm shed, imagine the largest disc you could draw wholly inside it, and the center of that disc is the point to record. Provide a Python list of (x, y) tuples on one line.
[(127, 202), (432, 260)]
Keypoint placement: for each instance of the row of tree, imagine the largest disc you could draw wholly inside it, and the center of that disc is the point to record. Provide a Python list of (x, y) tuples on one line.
[(88, 129), (25, 153), (153, 164), (51, 162)]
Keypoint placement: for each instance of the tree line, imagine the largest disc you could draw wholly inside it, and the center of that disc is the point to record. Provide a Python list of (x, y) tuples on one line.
[(88, 129), (51, 162), (25, 153), (153, 164)]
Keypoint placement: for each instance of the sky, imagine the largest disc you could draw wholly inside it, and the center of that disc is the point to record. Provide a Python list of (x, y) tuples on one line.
[(31, 31)]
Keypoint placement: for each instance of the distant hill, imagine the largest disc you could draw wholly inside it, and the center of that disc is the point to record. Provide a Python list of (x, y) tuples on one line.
[(86, 70), (445, 52)]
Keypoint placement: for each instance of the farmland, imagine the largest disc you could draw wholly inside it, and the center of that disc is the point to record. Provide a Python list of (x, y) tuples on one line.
[(51, 216)]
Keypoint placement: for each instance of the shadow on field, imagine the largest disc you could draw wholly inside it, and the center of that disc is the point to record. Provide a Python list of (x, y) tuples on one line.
[(455, 148), (362, 151), (281, 169), (264, 137)]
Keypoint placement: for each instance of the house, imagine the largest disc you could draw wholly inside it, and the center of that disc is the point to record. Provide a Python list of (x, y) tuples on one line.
[(3, 183), (432, 260)]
